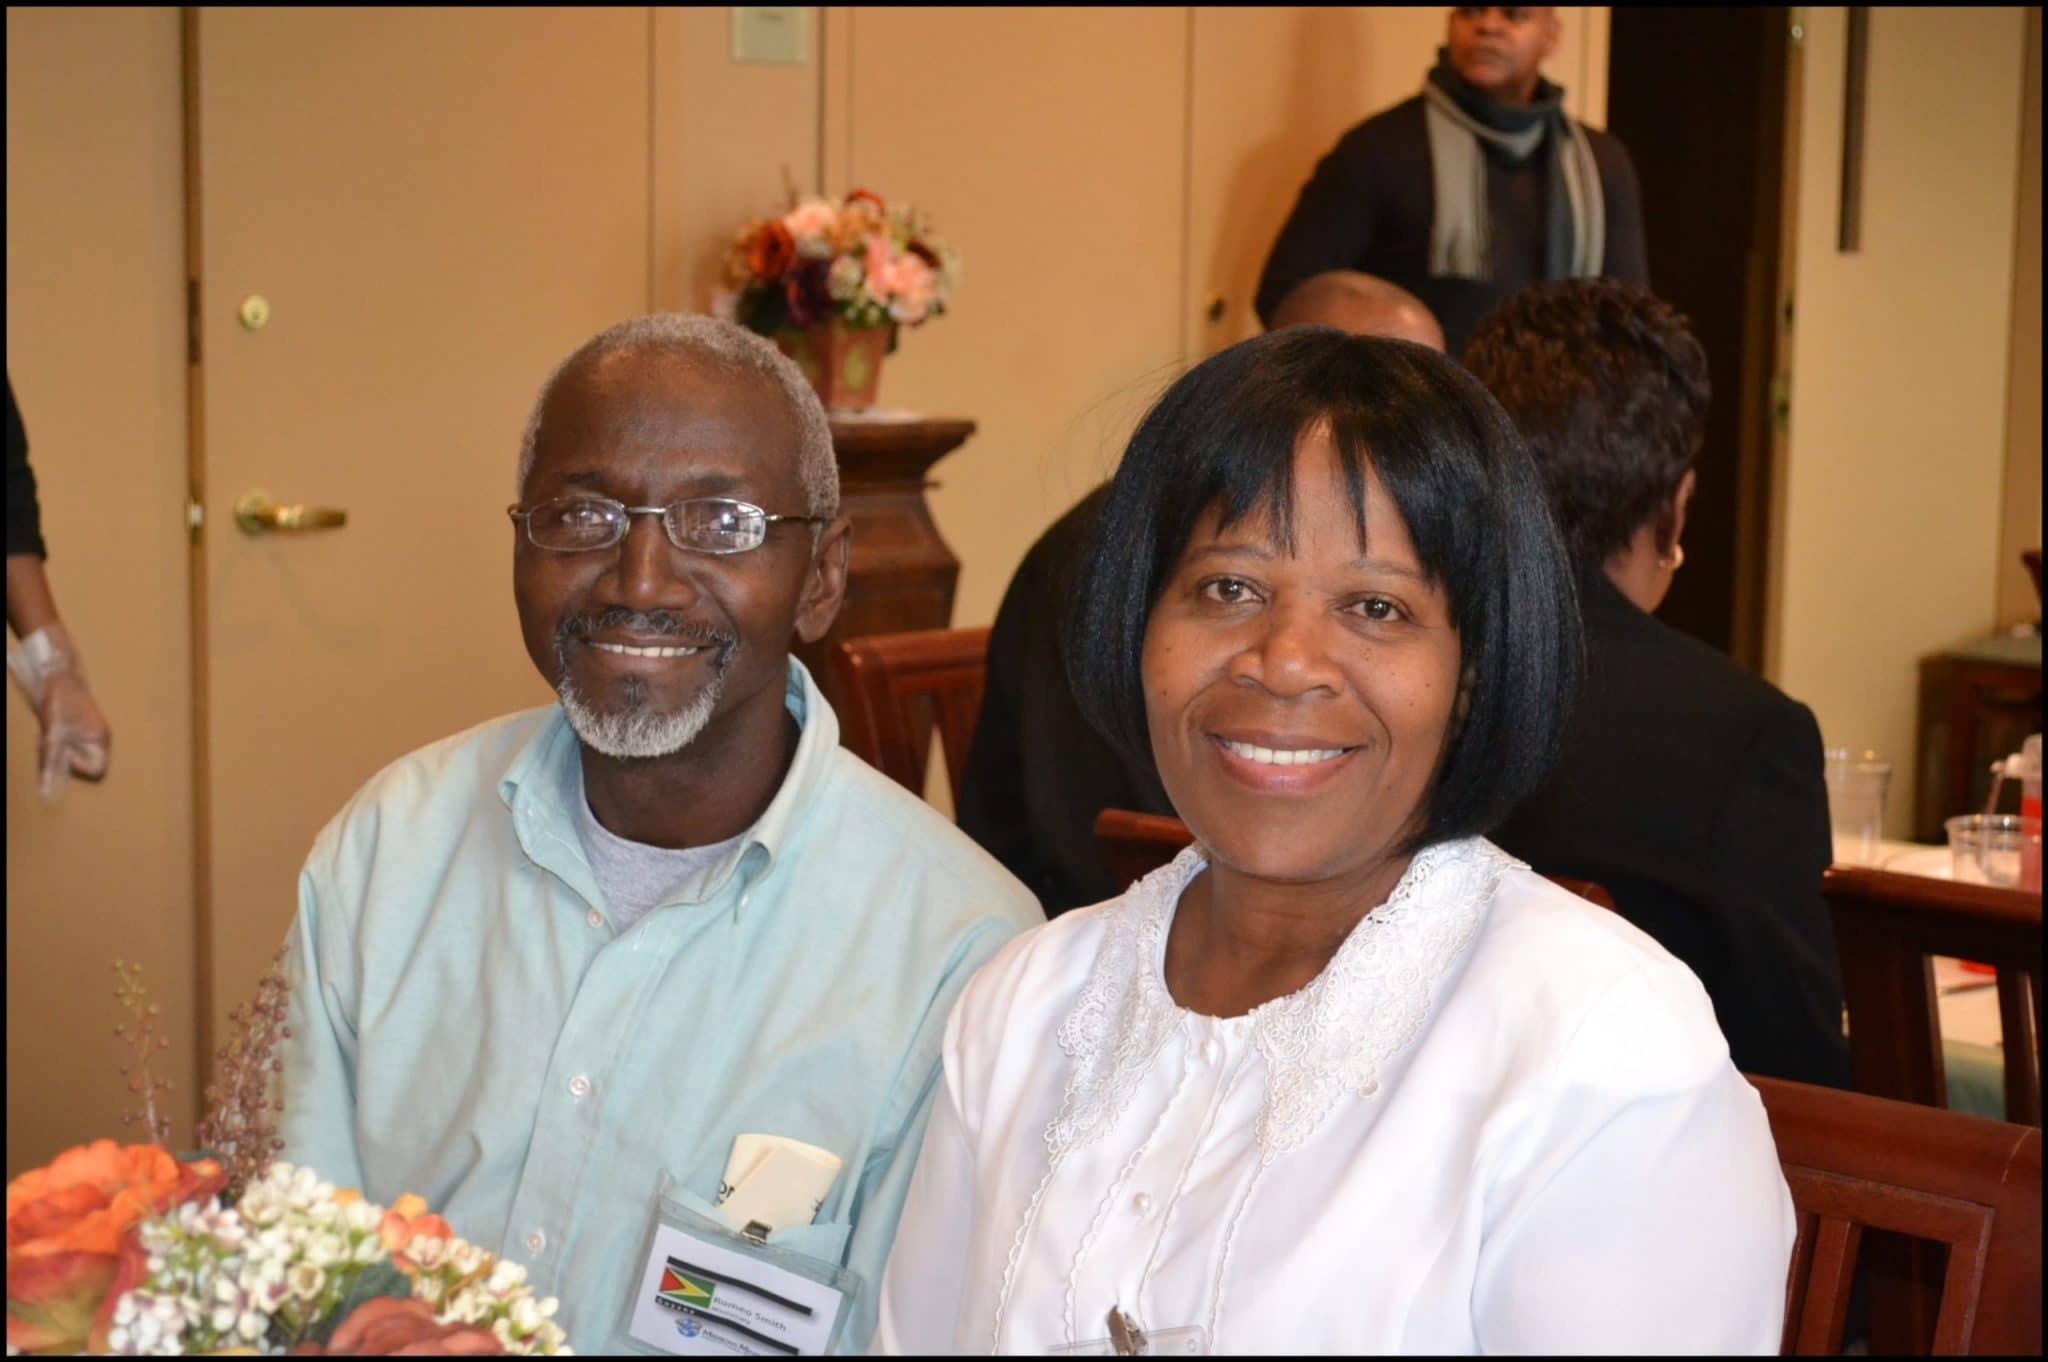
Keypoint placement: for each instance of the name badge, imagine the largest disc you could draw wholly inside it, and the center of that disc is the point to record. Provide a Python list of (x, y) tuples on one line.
[(700, 1298), (706, 1289)]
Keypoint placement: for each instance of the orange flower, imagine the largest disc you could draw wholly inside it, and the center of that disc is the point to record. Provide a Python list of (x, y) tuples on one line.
[(771, 251), (406, 1221), (66, 1228)]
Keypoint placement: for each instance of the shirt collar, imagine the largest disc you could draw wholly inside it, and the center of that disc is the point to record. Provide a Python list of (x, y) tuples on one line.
[(544, 778), (1333, 1037)]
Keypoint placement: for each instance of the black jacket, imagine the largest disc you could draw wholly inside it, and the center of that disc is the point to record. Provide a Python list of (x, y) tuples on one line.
[(1037, 774), (1371, 200), (1694, 792)]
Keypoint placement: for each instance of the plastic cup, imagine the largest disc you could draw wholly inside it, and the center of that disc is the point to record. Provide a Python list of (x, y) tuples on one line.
[(1857, 785), (1990, 848)]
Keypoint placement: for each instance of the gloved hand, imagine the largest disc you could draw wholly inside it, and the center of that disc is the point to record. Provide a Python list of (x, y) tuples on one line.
[(75, 738)]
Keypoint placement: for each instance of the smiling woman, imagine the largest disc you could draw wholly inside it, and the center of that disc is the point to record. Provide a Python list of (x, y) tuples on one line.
[(1343, 1077)]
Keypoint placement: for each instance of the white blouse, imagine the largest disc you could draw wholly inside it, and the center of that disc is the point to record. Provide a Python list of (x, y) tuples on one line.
[(1501, 1119)]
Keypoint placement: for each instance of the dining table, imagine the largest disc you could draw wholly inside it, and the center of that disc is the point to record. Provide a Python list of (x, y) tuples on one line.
[(1966, 996)]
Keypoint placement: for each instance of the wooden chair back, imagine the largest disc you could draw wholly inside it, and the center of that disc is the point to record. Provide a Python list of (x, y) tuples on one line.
[(1857, 1163), (895, 688), (1887, 929), (1136, 844)]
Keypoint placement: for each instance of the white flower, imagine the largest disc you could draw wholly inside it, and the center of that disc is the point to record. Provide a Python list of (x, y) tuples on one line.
[(304, 1280), (503, 1333), (251, 1325), (223, 1318), (361, 1216), (526, 1316), (505, 1277), (368, 1249), (117, 1342), (258, 1208), (428, 1252), (324, 1248), (467, 1258), (225, 1292)]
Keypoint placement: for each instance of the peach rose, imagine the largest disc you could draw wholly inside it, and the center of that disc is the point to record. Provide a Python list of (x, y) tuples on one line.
[(67, 1225), (388, 1327)]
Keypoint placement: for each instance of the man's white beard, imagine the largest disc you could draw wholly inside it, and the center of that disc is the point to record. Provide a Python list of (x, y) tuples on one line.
[(636, 732)]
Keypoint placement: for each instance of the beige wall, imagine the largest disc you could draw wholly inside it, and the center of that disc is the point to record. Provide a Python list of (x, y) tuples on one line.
[(1897, 449), (2017, 599), (96, 350)]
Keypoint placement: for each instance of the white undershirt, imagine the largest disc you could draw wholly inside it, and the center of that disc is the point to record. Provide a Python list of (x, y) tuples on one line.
[(635, 877), (1500, 1120)]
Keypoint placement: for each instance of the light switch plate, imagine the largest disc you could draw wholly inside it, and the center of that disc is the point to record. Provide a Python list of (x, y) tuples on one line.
[(771, 33)]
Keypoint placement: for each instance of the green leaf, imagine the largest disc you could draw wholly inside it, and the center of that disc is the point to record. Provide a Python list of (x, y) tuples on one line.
[(378, 1279)]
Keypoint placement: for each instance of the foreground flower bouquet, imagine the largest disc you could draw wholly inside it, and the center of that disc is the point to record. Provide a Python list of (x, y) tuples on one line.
[(128, 1249)]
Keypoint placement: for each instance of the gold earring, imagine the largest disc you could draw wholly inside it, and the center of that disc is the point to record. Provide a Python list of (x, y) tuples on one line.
[(1675, 561)]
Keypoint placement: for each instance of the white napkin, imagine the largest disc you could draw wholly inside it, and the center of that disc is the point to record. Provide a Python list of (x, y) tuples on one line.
[(773, 1182)]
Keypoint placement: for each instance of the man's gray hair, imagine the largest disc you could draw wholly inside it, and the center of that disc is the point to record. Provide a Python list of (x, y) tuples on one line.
[(731, 349)]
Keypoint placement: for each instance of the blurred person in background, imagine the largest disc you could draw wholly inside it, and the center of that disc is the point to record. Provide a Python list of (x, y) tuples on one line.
[(45, 664), (1471, 189), (1689, 788), (1037, 775)]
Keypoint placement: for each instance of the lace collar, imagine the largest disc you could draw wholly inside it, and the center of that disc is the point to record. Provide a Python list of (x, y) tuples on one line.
[(1331, 1037)]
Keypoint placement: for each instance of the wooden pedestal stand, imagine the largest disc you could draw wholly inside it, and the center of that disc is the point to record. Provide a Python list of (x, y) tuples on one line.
[(902, 574)]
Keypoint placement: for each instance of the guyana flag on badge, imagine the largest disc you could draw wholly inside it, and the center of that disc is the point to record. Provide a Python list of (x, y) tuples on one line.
[(683, 1289)]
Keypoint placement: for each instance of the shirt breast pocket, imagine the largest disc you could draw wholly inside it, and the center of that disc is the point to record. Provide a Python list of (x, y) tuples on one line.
[(705, 1288)]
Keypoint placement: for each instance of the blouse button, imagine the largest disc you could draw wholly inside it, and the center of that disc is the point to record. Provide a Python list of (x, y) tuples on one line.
[(1142, 1203), (596, 919)]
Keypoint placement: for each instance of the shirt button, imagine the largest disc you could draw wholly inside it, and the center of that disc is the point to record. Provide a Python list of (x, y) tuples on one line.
[(1142, 1203), (579, 1087), (596, 918), (536, 1241)]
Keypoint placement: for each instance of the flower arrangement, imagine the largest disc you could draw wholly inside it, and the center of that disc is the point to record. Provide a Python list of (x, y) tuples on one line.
[(856, 261), (128, 1249)]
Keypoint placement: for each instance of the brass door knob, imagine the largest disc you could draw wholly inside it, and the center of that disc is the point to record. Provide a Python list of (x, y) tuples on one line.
[(256, 514)]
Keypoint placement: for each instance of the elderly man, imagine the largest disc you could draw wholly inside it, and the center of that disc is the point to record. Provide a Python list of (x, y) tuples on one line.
[(1038, 774), (547, 972), (1473, 188)]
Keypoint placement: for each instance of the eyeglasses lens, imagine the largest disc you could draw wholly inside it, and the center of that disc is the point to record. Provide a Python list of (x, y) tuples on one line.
[(576, 523), (717, 526), (709, 525)]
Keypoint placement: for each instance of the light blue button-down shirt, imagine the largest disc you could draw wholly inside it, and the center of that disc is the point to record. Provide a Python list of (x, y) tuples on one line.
[(467, 1025)]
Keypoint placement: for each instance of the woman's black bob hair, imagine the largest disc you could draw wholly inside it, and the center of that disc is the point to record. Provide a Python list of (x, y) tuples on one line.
[(1226, 433)]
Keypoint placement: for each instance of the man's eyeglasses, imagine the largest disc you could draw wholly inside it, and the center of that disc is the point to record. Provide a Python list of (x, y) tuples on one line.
[(703, 524)]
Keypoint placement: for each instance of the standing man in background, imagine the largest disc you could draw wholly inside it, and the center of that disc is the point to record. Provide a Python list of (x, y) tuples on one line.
[(75, 740), (1470, 190)]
